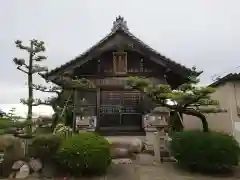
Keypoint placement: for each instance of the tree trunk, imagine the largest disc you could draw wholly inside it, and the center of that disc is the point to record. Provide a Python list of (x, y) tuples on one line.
[(198, 114), (30, 90), (55, 117), (55, 120), (74, 128), (175, 122), (30, 98)]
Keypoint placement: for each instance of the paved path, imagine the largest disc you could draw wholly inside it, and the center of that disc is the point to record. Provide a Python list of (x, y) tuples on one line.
[(144, 168), (148, 170), (168, 172), (153, 172), (122, 172)]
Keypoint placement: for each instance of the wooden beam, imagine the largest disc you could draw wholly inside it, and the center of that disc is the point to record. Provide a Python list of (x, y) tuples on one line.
[(98, 108), (74, 110)]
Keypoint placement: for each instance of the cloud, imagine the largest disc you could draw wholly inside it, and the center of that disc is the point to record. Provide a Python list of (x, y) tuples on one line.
[(21, 110), (11, 94), (200, 32)]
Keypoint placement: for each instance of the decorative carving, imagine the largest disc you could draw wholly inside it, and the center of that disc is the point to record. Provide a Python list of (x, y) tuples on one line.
[(111, 81), (130, 70), (119, 23)]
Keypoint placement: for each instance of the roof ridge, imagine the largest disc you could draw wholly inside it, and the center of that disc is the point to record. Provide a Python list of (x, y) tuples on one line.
[(223, 79), (120, 25), (154, 50)]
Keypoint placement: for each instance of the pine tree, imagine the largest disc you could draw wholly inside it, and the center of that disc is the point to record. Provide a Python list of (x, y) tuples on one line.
[(60, 104), (189, 98), (30, 68)]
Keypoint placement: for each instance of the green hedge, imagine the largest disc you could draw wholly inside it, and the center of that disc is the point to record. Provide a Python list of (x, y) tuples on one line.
[(204, 152), (44, 147), (84, 153)]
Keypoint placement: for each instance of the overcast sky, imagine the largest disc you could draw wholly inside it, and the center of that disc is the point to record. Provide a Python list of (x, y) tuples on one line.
[(205, 33)]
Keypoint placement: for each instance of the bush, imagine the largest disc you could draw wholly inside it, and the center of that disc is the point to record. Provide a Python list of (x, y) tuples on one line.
[(84, 153), (204, 152), (44, 147)]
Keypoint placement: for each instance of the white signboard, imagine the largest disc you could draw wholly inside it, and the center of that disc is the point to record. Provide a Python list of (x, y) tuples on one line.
[(237, 131)]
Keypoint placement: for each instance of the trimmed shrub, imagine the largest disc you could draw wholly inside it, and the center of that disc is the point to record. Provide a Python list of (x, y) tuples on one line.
[(84, 153), (205, 152), (44, 147)]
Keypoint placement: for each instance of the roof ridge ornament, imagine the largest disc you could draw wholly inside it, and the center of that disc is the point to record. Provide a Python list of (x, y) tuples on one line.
[(119, 23)]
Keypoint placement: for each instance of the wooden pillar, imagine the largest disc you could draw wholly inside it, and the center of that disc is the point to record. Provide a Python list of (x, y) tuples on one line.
[(74, 110), (98, 108)]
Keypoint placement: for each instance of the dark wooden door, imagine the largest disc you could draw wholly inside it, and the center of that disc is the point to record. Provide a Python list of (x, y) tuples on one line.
[(118, 110)]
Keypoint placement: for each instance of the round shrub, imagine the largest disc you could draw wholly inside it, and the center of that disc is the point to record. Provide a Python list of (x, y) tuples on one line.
[(206, 152), (84, 153), (44, 147)]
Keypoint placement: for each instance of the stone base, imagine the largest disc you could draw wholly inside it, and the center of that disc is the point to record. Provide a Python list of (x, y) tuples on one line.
[(122, 161), (149, 147), (169, 159), (149, 142), (144, 159), (86, 130)]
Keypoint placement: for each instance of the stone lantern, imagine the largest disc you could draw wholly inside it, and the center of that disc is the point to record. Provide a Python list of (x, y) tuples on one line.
[(156, 125), (162, 114), (161, 136)]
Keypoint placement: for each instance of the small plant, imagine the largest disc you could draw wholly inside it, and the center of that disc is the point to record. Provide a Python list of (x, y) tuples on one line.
[(206, 152), (63, 131), (44, 147), (84, 153)]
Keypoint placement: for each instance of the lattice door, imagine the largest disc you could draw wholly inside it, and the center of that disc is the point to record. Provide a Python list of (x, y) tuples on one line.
[(110, 108), (111, 102), (119, 108), (130, 101)]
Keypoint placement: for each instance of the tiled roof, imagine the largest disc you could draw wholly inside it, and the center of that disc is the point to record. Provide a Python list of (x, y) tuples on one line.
[(120, 25), (227, 78)]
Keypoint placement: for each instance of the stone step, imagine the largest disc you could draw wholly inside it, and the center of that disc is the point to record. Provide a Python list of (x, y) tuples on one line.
[(144, 159), (122, 172), (122, 161)]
